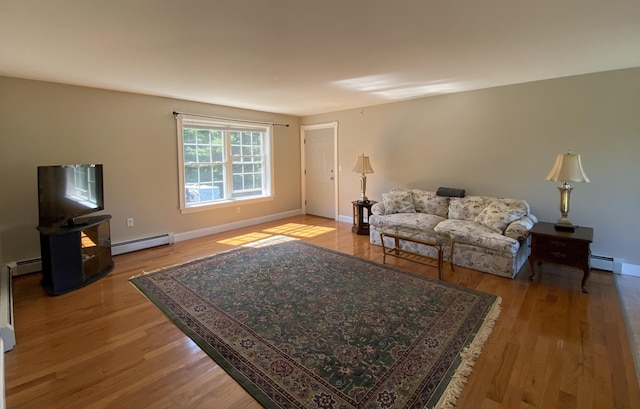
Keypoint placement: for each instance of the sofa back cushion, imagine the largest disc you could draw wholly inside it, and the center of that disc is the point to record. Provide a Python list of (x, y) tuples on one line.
[(398, 201), (430, 203), (467, 208), (470, 207), (517, 204)]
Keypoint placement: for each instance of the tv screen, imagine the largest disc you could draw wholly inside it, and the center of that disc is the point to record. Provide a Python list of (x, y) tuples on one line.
[(68, 191)]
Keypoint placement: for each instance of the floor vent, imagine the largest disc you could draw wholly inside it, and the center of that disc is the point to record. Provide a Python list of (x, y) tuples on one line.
[(606, 263), (7, 333), (141, 244)]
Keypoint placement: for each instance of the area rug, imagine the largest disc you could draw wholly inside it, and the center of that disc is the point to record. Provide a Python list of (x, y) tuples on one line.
[(300, 326)]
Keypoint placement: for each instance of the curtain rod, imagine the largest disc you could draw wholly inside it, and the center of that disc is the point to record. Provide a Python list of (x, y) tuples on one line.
[(175, 113)]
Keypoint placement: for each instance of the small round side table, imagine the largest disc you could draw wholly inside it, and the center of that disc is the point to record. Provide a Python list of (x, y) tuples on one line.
[(360, 226)]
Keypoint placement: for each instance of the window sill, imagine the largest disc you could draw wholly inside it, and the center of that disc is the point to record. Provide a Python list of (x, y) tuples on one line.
[(224, 204)]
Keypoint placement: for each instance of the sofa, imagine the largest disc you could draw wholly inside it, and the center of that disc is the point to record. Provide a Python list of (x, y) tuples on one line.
[(490, 234)]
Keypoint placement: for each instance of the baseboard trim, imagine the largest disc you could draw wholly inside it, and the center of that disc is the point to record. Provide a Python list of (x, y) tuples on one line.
[(630, 270), (232, 226)]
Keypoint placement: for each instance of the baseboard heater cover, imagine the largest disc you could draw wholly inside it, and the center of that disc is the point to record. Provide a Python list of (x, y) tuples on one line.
[(606, 263), (141, 244), (23, 267), (7, 332)]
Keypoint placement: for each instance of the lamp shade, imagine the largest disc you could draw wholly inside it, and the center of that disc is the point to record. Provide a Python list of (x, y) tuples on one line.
[(362, 165), (568, 168)]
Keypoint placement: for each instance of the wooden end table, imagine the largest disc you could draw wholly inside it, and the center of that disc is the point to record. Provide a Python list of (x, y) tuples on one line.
[(359, 225), (561, 247)]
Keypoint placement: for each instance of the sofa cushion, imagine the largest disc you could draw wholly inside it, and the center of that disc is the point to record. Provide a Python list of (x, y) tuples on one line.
[(398, 201), (497, 215), (468, 232), (422, 221), (429, 202), (467, 208), (519, 204)]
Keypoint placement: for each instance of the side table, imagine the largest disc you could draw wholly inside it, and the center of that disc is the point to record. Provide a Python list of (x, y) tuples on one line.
[(561, 247), (359, 207)]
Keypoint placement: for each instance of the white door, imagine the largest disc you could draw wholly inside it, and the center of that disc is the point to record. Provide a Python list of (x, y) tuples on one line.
[(319, 170)]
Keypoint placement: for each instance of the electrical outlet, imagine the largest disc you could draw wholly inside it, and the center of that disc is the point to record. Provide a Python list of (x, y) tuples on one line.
[(237, 210), (130, 222)]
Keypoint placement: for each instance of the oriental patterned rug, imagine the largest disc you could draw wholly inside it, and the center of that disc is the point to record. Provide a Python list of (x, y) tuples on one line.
[(299, 326)]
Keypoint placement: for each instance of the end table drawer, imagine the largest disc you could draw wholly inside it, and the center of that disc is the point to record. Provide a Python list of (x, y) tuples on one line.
[(559, 250)]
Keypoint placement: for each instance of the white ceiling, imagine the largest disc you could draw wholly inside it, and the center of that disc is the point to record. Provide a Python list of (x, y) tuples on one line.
[(302, 57)]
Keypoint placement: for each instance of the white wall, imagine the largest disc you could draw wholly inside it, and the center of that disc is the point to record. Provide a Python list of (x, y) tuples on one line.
[(503, 141), (134, 136)]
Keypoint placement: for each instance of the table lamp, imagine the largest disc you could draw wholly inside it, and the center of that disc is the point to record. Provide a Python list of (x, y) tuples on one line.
[(363, 166), (567, 168)]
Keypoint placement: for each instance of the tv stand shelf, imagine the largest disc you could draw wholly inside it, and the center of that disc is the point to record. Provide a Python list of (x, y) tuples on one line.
[(75, 255)]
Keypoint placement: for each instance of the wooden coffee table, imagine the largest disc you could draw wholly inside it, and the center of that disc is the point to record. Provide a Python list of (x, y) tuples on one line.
[(431, 238)]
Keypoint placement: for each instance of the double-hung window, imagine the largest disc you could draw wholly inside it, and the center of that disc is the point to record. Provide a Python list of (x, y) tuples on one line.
[(223, 162)]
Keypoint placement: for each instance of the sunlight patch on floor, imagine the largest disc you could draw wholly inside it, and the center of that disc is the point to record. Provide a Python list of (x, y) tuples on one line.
[(299, 230), (245, 238), (277, 234)]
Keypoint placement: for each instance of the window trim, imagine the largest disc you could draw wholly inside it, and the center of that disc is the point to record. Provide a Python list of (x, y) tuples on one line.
[(269, 183)]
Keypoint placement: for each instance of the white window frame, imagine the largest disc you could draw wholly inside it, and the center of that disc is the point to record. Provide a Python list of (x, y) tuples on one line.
[(267, 192)]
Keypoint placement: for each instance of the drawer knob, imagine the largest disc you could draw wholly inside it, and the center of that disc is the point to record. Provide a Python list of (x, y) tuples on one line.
[(558, 254)]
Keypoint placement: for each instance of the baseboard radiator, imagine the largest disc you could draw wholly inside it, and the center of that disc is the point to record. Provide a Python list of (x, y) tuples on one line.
[(23, 267), (7, 333), (141, 244), (2, 396), (606, 263)]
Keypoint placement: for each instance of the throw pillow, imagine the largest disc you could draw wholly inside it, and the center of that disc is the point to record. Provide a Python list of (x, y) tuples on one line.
[(498, 215), (398, 201)]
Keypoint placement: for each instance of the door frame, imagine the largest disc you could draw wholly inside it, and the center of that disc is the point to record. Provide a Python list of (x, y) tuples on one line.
[(303, 130)]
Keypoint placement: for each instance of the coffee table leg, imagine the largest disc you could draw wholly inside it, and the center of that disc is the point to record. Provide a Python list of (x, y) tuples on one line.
[(384, 250), (440, 262), (452, 243)]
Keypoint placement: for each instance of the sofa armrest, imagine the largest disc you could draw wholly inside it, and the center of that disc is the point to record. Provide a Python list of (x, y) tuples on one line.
[(378, 209), (519, 229)]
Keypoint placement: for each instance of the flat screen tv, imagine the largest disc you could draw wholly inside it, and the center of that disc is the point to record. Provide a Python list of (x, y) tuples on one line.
[(68, 191)]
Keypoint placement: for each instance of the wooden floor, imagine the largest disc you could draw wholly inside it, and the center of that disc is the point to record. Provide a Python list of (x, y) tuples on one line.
[(106, 346)]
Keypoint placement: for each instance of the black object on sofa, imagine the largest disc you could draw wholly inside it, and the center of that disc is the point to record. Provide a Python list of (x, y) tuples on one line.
[(450, 192)]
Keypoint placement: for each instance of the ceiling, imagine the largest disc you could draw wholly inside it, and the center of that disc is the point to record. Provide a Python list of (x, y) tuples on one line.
[(303, 57)]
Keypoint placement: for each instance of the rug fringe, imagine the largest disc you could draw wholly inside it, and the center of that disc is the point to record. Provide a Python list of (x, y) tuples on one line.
[(468, 355)]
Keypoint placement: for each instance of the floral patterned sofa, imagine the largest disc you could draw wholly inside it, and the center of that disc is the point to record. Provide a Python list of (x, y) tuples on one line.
[(491, 234)]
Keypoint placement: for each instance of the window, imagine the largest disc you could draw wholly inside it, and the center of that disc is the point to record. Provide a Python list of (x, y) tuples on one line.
[(223, 162)]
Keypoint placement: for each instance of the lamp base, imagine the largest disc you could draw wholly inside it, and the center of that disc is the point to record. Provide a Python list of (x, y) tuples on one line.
[(565, 227)]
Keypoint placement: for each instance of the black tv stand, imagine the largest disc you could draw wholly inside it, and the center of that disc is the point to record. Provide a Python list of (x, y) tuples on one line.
[(75, 255)]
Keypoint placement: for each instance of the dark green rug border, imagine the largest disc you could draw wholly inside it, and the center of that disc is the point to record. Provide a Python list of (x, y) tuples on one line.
[(257, 394)]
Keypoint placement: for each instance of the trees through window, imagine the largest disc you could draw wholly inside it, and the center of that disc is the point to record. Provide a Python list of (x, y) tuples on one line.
[(223, 161)]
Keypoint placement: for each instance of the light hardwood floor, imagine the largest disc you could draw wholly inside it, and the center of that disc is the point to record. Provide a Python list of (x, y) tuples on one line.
[(106, 346)]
